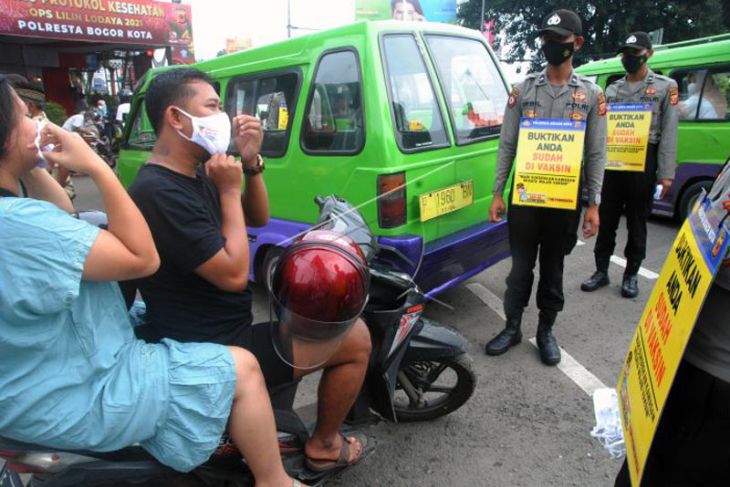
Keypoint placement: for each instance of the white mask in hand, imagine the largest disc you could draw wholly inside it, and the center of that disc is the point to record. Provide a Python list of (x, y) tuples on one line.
[(37, 141), (212, 133)]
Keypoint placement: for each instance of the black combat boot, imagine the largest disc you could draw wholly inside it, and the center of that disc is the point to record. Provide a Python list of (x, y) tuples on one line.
[(630, 286), (546, 342), (509, 337), (597, 280)]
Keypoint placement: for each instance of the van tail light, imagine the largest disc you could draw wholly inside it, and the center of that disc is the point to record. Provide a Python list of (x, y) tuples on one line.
[(392, 209)]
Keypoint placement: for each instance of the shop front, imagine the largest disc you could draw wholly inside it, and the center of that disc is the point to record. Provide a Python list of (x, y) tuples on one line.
[(85, 48)]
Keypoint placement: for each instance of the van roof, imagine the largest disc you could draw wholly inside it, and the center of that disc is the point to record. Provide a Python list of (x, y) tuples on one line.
[(295, 51), (678, 54)]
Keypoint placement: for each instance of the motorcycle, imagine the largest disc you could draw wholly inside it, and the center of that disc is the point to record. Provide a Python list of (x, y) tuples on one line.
[(92, 133), (419, 370)]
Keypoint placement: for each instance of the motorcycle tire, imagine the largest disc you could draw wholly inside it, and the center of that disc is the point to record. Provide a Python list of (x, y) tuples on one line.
[(422, 375)]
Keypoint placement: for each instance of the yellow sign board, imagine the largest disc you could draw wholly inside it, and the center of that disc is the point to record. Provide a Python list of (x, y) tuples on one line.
[(446, 200), (628, 136), (665, 327), (548, 162), (283, 118)]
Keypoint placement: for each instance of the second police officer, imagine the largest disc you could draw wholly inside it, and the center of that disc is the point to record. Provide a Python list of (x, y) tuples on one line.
[(555, 93), (631, 191)]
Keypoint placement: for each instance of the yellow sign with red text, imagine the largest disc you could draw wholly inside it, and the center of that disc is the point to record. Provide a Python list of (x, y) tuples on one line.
[(628, 136), (548, 161), (665, 327)]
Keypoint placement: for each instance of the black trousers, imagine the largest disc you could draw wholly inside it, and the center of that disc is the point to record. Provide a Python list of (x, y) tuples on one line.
[(632, 193), (546, 232), (691, 447)]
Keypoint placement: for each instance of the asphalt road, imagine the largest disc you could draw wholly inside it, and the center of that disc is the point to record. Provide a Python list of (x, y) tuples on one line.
[(527, 424)]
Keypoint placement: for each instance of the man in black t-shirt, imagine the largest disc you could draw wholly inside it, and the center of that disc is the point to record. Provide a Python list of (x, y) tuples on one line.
[(190, 194)]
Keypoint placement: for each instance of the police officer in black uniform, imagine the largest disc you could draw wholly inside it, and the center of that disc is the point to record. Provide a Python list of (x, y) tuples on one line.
[(558, 93), (630, 191)]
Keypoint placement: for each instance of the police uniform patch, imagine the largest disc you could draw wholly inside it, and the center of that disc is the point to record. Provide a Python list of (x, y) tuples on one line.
[(602, 107), (579, 96), (673, 95), (513, 97), (576, 116), (651, 90)]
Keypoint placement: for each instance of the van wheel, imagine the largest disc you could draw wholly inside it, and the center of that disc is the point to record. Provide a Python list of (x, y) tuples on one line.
[(690, 196), (268, 261)]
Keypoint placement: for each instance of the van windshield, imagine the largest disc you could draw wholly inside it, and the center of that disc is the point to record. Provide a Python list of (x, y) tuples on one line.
[(472, 85)]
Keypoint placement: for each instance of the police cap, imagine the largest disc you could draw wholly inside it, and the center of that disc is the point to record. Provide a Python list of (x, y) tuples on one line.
[(562, 22), (636, 40)]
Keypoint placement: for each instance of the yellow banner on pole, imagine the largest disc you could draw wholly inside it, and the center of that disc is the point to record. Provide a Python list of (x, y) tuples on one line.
[(548, 161), (665, 327), (628, 136)]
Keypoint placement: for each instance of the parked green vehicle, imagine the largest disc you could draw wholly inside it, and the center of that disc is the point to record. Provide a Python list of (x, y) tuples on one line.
[(701, 68), (401, 119)]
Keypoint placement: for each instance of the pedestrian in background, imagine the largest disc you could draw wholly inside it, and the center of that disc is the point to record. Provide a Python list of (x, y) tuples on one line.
[(632, 192), (555, 93), (34, 97)]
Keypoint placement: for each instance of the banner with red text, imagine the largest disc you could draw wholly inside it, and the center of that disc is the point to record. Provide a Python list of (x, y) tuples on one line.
[(138, 22)]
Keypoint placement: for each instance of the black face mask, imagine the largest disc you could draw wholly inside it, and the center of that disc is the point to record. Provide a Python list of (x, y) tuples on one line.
[(632, 64), (557, 52)]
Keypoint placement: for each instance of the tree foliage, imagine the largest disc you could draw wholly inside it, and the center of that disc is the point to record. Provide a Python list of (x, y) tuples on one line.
[(605, 22)]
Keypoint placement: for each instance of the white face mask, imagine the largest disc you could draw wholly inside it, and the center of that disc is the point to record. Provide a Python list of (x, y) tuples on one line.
[(212, 133), (692, 88)]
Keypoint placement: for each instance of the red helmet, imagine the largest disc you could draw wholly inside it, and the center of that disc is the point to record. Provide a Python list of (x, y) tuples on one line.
[(319, 288)]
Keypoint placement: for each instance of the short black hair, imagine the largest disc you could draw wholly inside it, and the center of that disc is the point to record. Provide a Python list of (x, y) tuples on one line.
[(8, 115), (15, 79), (168, 88)]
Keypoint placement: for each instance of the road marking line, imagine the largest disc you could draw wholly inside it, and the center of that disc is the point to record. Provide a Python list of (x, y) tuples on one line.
[(642, 272), (568, 365), (620, 261), (488, 298), (576, 372)]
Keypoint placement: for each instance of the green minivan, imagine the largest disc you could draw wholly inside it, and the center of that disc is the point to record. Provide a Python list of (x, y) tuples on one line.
[(701, 68), (401, 119)]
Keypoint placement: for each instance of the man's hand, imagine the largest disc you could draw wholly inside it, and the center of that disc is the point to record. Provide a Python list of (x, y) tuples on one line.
[(590, 222), (666, 184), (248, 136), (225, 172), (726, 203), (496, 209)]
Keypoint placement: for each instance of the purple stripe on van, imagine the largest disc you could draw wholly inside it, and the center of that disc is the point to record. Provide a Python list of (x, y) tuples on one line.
[(454, 259), (687, 173), (446, 262)]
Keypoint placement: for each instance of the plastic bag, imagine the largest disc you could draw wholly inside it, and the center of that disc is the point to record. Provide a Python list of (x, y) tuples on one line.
[(608, 430)]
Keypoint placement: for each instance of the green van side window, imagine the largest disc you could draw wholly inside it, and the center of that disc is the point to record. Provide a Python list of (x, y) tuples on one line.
[(142, 134), (472, 85), (271, 99), (703, 94), (334, 120), (416, 112)]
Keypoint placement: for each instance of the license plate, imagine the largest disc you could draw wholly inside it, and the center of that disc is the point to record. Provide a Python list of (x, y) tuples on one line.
[(446, 200)]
